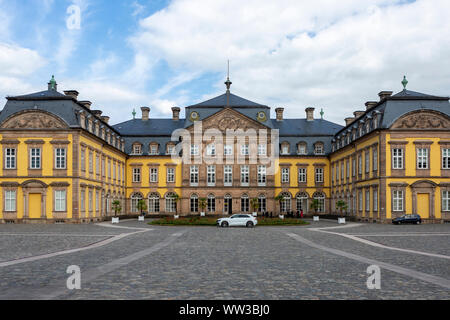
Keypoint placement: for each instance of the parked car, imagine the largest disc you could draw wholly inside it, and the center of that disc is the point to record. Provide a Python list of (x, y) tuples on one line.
[(238, 220), (408, 218)]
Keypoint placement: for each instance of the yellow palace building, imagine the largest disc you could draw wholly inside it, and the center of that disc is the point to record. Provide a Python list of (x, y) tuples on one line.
[(62, 161)]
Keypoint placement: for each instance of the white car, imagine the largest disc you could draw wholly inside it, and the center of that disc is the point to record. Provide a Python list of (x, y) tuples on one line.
[(238, 220)]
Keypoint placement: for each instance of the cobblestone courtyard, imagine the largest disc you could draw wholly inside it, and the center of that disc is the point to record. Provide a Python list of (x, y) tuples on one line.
[(137, 261)]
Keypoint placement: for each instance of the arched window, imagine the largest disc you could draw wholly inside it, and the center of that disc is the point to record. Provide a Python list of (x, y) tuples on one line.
[(320, 196), (285, 148), (135, 197), (153, 203), (194, 203), (262, 201), (171, 203), (245, 203), (286, 202), (227, 204), (211, 203), (302, 201), (154, 148), (301, 148)]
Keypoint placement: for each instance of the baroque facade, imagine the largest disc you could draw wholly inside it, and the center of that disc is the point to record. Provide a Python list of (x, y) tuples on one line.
[(63, 161)]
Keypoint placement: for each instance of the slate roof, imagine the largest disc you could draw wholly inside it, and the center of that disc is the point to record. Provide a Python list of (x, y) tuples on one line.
[(235, 101), (152, 127)]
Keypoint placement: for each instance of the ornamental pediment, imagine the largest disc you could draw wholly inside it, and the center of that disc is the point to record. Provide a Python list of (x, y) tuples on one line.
[(422, 119), (229, 119), (33, 120)]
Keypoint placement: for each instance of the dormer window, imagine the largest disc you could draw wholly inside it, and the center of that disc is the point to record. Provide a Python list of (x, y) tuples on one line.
[(285, 148), (375, 123), (154, 148), (318, 148), (137, 149), (360, 131), (170, 149), (368, 126), (348, 138), (301, 148)]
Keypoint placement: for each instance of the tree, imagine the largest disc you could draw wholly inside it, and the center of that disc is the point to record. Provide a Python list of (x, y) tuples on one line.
[(202, 204), (341, 205), (315, 205), (116, 207), (279, 198), (141, 206), (254, 203)]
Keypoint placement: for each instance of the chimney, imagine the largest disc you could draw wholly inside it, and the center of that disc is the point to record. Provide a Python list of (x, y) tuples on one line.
[(97, 113), (87, 104), (176, 113), (357, 114), (349, 120), (370, 104), (309, 114), (72, 93), (145, 113), (385, 94), (279, 112), (105, 119)]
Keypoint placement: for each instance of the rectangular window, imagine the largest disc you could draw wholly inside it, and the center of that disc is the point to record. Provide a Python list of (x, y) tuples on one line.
[(285, 175), (262, 175), (211, 204), (348, 169), (171, 149), (83, 160), (367, 200), (10, 200), (245, 179), (136, 174), (60, 200), (359, 165), (318, 149), (245, 204), (353, 167), (10, 158), (397, 200), (342, 171), (170, 175), (375, 160), (375, 200), (211, 150), (360, 201), (90, 199), (228, 150), (262, 150), (35, 158), (446, 200), (153, 175), (244, 150), (114, 171), (82, 200), (97, 165), (194, 150), (103, 168), (301, 149), (367, 161), (97, 201), (285, 149), (228, 175), (211, 175), (91, 162), (194, 175), (319, 175), (194, 204), (422, 158), (397, 158), (302, 175), (446, 158), (153, 149)]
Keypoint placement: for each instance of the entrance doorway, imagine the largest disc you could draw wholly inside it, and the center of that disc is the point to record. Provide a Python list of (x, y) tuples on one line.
[(423, 205), (228, 205), (34, 205)]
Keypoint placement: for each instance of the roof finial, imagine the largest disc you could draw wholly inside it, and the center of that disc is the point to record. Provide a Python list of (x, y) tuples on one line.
[(404, 82), (134, 113), (322, 113), (228, 83), (52, 84)]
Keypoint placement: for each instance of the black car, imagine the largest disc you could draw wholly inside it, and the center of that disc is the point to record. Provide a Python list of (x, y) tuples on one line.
[(408, 218)]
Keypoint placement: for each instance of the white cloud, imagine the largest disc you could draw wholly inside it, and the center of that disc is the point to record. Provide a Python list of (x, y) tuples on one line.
[(17, 61), (297, 54)]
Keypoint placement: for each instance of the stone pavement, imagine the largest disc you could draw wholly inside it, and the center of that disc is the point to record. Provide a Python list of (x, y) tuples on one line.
[(153, 262)]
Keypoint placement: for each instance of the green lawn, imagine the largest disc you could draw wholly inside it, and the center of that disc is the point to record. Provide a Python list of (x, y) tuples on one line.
[(210, 221)]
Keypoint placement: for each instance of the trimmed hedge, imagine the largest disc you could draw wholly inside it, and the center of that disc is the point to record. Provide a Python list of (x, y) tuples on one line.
[(209, 221)]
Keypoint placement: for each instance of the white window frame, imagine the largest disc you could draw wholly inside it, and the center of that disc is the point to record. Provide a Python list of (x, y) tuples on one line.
[(228, 175), (194, 150), (446, 158), (245, 150), (60, 200), (262, 150), (10, 158), (422, 158), (245, 175), (262, 176), (10, 201), (397, 158), (319, 175), (445, 200), (211, 175), (35, 158), (228, 150), (397, 200), (170, 175), (154, 175), (136, 175), (302, 175), (193, 176), (285, 175)]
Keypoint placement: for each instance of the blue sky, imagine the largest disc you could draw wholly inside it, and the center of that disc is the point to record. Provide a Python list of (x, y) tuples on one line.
[(287, 53)]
